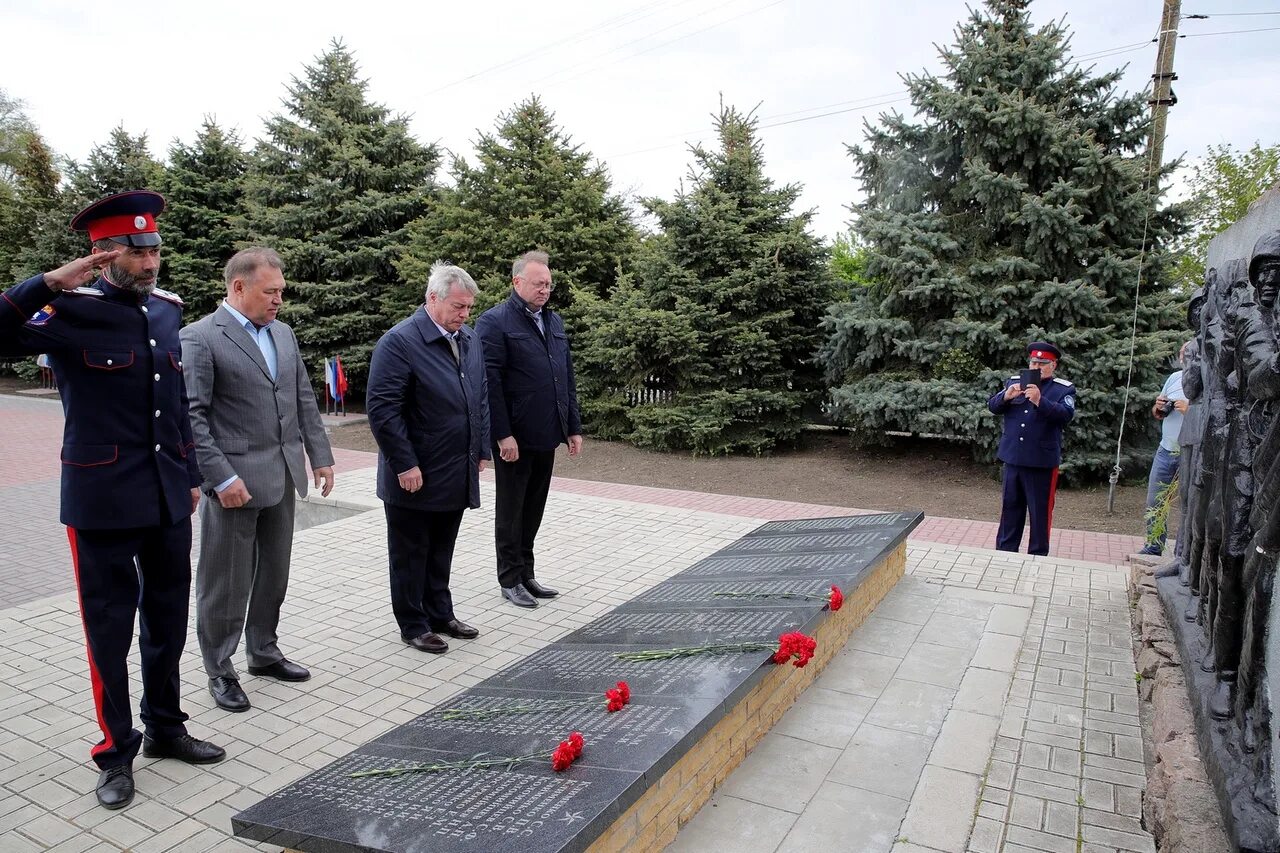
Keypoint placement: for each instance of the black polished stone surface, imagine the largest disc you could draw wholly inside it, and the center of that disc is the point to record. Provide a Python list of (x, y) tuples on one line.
[(1248, 807), (674, 703)]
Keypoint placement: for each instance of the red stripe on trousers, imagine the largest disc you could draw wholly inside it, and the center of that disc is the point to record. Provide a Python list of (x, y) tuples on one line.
[(94, 679), (1053, 493)]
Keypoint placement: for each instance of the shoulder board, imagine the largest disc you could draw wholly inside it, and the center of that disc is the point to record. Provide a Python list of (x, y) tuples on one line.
[(1061, 381), (167, 296), (86, 291)]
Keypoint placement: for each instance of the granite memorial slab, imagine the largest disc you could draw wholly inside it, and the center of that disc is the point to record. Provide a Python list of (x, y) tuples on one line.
[(528, 807), (705, 709), (740, 593), (645, 737)]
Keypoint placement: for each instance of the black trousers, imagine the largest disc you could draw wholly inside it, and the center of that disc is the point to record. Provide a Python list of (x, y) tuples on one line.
[(420, 551), (143, 570), (1028, 492), (521, 499)]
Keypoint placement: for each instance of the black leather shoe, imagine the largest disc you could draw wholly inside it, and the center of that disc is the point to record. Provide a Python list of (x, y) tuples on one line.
[(537, 590), (283, 669), (519, 596), (460, 630), (227, 693), (428, 642), (115, 787), (184, 748)]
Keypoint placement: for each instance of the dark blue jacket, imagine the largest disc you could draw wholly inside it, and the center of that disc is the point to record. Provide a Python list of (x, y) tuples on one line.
[(425, 410), (532, 395), (128, 459), (1033, 434)]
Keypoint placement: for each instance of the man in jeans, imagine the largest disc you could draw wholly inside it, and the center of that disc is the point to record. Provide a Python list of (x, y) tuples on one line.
[(1168, 408)]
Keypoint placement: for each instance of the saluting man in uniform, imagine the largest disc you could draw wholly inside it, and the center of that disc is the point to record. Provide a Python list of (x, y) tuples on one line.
[(1031, 448), (129, 474)]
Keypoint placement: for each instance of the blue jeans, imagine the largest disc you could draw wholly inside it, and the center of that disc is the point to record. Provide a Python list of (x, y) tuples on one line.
[(1164, 468)]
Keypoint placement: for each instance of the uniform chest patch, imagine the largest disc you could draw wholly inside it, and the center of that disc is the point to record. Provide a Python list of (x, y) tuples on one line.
[(42, 316)]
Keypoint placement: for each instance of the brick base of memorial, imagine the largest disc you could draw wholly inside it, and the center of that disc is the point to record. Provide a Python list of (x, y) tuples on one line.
[(653, 821), (646, 769)]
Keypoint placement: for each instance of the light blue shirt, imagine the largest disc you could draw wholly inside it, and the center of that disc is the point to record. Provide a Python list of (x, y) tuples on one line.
[(1172, 423), (267, 345), (261, 337)]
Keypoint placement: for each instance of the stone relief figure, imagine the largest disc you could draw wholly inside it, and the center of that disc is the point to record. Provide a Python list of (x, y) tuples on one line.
[(1258, 362), (1189, 437), (1233, 497), (1207, 387)]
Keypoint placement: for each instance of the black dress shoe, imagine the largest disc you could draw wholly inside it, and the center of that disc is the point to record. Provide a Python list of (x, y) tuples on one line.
[(283, 669), (519, 596), (184, 748), (228, 694), (460, 630), (537, 590), (428, 642), (115, 787)]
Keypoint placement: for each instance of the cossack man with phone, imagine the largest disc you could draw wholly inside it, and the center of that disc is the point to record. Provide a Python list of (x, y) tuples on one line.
[(129, 472), (1036, 405)]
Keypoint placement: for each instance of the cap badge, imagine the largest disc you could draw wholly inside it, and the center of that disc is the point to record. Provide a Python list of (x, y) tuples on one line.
[(139, 222)]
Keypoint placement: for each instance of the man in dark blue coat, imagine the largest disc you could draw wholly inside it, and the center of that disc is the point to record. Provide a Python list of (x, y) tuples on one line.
[(428, 409), (1031, 448), (129, 475), (533, 409)]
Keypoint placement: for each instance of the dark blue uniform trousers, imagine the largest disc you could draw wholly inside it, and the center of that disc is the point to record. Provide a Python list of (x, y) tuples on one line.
[(1027, 492), (144, 570)]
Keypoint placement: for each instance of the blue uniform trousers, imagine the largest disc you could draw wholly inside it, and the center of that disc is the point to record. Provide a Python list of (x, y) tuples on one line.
[(119, 572), (1028, 492)]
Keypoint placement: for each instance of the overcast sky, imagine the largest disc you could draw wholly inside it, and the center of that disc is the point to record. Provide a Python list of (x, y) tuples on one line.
[(631, 81)]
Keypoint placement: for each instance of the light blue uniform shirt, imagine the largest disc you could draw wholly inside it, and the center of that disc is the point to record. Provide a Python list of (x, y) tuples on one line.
[(1170, 426), (261, 337)]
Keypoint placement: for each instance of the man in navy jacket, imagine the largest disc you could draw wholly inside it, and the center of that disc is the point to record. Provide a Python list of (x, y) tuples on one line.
[(129, 474), (428, 408), (533, 407), (1031, 448)]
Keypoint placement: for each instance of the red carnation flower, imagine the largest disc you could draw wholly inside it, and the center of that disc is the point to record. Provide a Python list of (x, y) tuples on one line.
[(625, 691), (836, 599), (795, 645), (567, 752), (618, 697), (562, 757)]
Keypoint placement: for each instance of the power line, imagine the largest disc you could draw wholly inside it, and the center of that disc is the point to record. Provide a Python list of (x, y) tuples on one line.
[(1230, 15), (1228, 32), (625, 19), (660, 44)]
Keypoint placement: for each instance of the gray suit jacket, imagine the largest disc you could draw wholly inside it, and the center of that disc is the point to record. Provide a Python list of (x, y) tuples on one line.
[(244, 423)]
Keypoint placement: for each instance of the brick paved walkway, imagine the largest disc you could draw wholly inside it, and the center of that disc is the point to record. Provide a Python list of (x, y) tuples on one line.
[(988, 706)]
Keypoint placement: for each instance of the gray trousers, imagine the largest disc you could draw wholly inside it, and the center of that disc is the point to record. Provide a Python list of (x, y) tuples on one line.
[(241, 580)]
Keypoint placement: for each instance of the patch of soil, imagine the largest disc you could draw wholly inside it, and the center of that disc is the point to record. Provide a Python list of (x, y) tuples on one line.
[(934, 476)]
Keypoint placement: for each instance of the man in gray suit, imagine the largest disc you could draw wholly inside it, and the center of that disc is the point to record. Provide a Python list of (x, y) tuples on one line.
[(252, 413)]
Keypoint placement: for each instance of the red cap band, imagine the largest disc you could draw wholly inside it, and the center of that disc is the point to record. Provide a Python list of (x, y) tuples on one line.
[(122, 225), (1039, 353)]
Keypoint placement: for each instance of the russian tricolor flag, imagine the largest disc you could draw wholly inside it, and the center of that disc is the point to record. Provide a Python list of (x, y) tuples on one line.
[(335, 379)]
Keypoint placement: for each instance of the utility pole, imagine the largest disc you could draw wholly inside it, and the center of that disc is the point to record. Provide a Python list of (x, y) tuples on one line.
[(1162, 96)]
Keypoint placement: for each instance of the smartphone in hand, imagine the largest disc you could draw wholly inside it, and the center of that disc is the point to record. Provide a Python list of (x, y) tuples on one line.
[(1028, 377)]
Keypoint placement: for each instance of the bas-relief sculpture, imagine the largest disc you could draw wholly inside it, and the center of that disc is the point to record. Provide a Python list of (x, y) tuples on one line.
[(1229, 546)]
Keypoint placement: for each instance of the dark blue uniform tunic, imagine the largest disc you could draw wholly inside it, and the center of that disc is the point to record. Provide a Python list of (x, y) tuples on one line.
[(1031, 448), (128, 467)]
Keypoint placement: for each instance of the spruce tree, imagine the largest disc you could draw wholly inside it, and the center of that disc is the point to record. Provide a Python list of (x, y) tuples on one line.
[(123, 163), (532, 188), (709, 345), (333, 188), (1015, 206), (204, 220)]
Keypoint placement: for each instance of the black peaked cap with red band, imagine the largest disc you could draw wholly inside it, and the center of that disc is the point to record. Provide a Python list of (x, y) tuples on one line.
[(1043, 349), (128, 218)]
